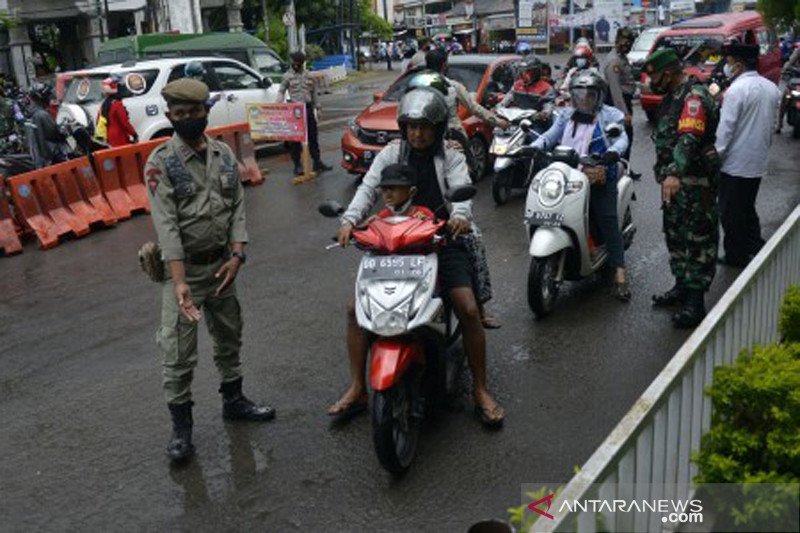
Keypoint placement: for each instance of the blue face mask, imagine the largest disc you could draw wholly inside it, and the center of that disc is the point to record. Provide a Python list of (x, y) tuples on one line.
[(580, 62)]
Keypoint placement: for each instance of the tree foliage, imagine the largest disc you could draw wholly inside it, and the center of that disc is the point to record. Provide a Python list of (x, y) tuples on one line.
[(781, 13)]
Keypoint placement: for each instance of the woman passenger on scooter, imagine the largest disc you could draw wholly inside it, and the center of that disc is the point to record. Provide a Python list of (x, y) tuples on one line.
[(422, 117), (582, 127)]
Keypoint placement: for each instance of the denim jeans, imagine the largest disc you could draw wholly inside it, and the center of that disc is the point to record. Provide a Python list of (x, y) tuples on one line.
[(603, 213)]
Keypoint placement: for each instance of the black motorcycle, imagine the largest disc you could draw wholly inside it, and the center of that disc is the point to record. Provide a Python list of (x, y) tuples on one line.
[(515, 173), (792, 95)]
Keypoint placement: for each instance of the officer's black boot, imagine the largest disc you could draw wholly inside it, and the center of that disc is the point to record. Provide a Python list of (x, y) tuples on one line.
[(236, 406), (180, 446), (692, 312), (298, 169), (674, 296)]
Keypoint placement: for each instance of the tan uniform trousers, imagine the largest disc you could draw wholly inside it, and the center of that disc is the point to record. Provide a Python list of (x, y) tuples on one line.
[(177, 336)]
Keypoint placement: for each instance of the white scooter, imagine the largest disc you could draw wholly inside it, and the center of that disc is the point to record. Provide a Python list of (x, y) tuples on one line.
[(557, 221)]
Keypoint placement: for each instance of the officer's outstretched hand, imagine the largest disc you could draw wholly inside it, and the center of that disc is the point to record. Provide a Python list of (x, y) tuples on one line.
[(185, 303), (228, 273)]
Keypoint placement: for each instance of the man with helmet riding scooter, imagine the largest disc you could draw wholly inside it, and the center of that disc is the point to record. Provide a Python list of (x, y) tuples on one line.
[(422, 117), (582, 58), (529, 82), (47, 143), (582, 127)]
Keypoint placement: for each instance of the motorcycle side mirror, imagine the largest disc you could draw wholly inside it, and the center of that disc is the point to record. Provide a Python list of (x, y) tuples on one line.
[(461, 194), (330, 209), (613, 130), (525, 125)]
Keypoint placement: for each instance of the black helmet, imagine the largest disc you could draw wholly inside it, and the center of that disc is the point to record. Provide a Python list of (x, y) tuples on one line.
[(587, 90), (428, 78), (41, 91), (423, 104), (532, 65)]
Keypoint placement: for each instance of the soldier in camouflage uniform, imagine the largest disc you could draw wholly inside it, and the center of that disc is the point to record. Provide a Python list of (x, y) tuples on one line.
[(197, 205), (687, 167)]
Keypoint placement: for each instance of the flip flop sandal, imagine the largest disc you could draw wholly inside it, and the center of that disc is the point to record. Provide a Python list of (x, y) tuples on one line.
[(488, 421), (490, 322), (350, 410), (622, 291)]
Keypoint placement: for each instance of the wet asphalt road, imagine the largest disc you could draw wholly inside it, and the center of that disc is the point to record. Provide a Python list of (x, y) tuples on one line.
[(84, 425)]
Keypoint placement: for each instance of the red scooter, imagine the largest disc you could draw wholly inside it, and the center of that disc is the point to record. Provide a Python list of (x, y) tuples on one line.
[(416, 353)]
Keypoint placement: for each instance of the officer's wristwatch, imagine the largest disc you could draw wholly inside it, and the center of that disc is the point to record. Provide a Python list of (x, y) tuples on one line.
[(242, 257)]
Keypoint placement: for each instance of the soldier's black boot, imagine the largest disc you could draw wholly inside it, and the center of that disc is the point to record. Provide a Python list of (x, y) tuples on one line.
[(692, 312), (236, 406), (672, 297), (180, 446)]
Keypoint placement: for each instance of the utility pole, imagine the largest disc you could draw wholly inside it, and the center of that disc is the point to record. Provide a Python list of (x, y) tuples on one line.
[(265, 16), (424, 21)]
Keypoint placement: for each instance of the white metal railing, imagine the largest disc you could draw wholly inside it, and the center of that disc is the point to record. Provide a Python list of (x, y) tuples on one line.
[(651, 446)]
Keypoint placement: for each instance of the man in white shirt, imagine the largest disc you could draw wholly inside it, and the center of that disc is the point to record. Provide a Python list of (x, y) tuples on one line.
[(744, 136)]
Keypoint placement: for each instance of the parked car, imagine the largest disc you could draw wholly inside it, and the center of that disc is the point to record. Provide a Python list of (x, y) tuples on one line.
[(485, 76), (699, 43), (242, 47), (641, 48), (236, 83)]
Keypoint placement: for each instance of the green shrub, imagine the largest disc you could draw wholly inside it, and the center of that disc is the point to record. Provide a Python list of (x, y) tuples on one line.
[(789, 326), (754, 435), (314, 52)]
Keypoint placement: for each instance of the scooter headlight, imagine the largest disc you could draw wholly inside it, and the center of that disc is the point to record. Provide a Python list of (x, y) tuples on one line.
[(795, 94), (393, 322), (552, 185)]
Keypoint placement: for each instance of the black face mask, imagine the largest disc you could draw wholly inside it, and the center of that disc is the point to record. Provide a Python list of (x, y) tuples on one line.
[(190, 129)]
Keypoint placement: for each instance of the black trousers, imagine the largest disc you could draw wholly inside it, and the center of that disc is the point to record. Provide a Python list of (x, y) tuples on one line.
[(737, 205), (296, 149)]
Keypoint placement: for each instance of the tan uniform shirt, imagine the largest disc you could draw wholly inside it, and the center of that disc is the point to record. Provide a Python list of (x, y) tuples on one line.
[(302, 87), (617, 72), (197, 204), (462, 96)]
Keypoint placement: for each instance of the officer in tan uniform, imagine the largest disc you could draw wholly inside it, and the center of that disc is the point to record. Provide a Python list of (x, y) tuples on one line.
[(303, 88), (617, 71), (197, 205)]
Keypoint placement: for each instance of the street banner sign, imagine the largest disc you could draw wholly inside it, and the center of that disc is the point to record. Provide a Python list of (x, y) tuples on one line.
[(532, 21), (278, 122)]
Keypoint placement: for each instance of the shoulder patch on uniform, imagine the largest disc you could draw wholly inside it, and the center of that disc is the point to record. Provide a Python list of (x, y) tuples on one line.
[(616, 67), (693, 117), (152, 174)]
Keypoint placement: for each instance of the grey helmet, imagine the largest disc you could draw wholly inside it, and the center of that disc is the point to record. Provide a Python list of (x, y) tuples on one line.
[(588, 91), (423, 104)]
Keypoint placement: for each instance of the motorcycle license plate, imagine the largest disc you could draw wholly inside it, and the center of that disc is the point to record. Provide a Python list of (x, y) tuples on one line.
[(540, 218), (393, 267)]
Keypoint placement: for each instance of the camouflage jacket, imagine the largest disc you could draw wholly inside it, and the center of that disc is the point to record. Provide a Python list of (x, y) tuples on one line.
[(684, 135)]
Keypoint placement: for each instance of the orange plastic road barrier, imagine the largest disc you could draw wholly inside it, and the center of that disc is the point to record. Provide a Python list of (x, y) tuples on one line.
[(121, 173), (9, 240), (237, 136), (60, 199)]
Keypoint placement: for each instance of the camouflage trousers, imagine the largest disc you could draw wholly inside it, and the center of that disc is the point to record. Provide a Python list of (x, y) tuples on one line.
[(692, 233), (481, 282), (177, 336)]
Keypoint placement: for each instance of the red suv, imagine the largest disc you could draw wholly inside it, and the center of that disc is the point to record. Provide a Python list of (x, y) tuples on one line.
[(485, 76), (699, 42)]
